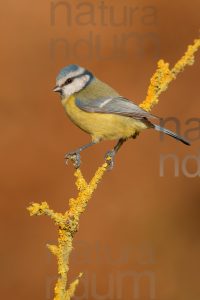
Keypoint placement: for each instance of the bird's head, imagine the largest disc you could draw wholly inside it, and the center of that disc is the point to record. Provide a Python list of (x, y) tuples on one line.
[(72, 79)]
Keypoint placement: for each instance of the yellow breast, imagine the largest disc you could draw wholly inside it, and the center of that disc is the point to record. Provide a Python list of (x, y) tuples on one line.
[(102, 126)]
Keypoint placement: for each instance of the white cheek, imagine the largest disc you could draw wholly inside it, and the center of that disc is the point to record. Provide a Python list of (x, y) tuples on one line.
[(75, 86)]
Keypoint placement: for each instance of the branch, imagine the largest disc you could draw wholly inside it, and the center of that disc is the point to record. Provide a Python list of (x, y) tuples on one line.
[(68, 224), (163, 75)]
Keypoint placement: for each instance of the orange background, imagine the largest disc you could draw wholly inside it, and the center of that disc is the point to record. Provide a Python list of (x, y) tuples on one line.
[(137, 221)]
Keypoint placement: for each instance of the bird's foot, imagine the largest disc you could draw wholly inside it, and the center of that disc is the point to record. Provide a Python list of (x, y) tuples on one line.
[(74, 157), (135, 135), (109, 157)]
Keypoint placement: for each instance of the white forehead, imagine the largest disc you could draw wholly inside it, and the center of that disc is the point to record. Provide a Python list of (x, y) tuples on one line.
[(75, 73)]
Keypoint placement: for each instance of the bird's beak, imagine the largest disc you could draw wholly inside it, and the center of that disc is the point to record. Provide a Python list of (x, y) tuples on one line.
[(57, 89)]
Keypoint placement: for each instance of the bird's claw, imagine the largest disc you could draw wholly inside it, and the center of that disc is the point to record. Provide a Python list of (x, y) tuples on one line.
[(109, 157), (74, 157)]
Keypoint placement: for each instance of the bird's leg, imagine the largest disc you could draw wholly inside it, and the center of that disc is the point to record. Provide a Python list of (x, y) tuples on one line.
[(75, 155), (110, 155)]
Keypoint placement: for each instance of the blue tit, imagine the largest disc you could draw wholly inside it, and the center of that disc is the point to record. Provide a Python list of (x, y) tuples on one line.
[(99, 110)]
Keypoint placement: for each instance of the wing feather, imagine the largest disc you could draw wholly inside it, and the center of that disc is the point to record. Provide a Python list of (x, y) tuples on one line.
[(114, 105)]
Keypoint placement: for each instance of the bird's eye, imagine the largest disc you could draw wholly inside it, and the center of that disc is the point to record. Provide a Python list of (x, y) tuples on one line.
[(68, 81)]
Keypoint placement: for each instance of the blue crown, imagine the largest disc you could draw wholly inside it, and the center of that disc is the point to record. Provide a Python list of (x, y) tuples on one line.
[(67, 70)]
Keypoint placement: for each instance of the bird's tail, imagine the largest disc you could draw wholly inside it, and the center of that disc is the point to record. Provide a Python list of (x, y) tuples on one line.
[(171, 133)]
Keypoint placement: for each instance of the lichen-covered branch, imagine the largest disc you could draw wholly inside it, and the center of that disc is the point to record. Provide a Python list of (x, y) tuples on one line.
[(68, 222), (68, 225), (164, 75)]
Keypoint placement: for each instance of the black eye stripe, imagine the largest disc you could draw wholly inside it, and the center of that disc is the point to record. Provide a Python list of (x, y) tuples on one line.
[(78, 76), (68, 81)]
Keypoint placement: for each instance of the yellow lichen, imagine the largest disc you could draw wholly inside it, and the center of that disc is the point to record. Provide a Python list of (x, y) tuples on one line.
[(163, 76), (68, 225), (72, 288), (68, 222)]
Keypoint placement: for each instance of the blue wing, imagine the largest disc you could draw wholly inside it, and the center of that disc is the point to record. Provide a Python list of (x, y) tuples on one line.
[(114, 105)]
